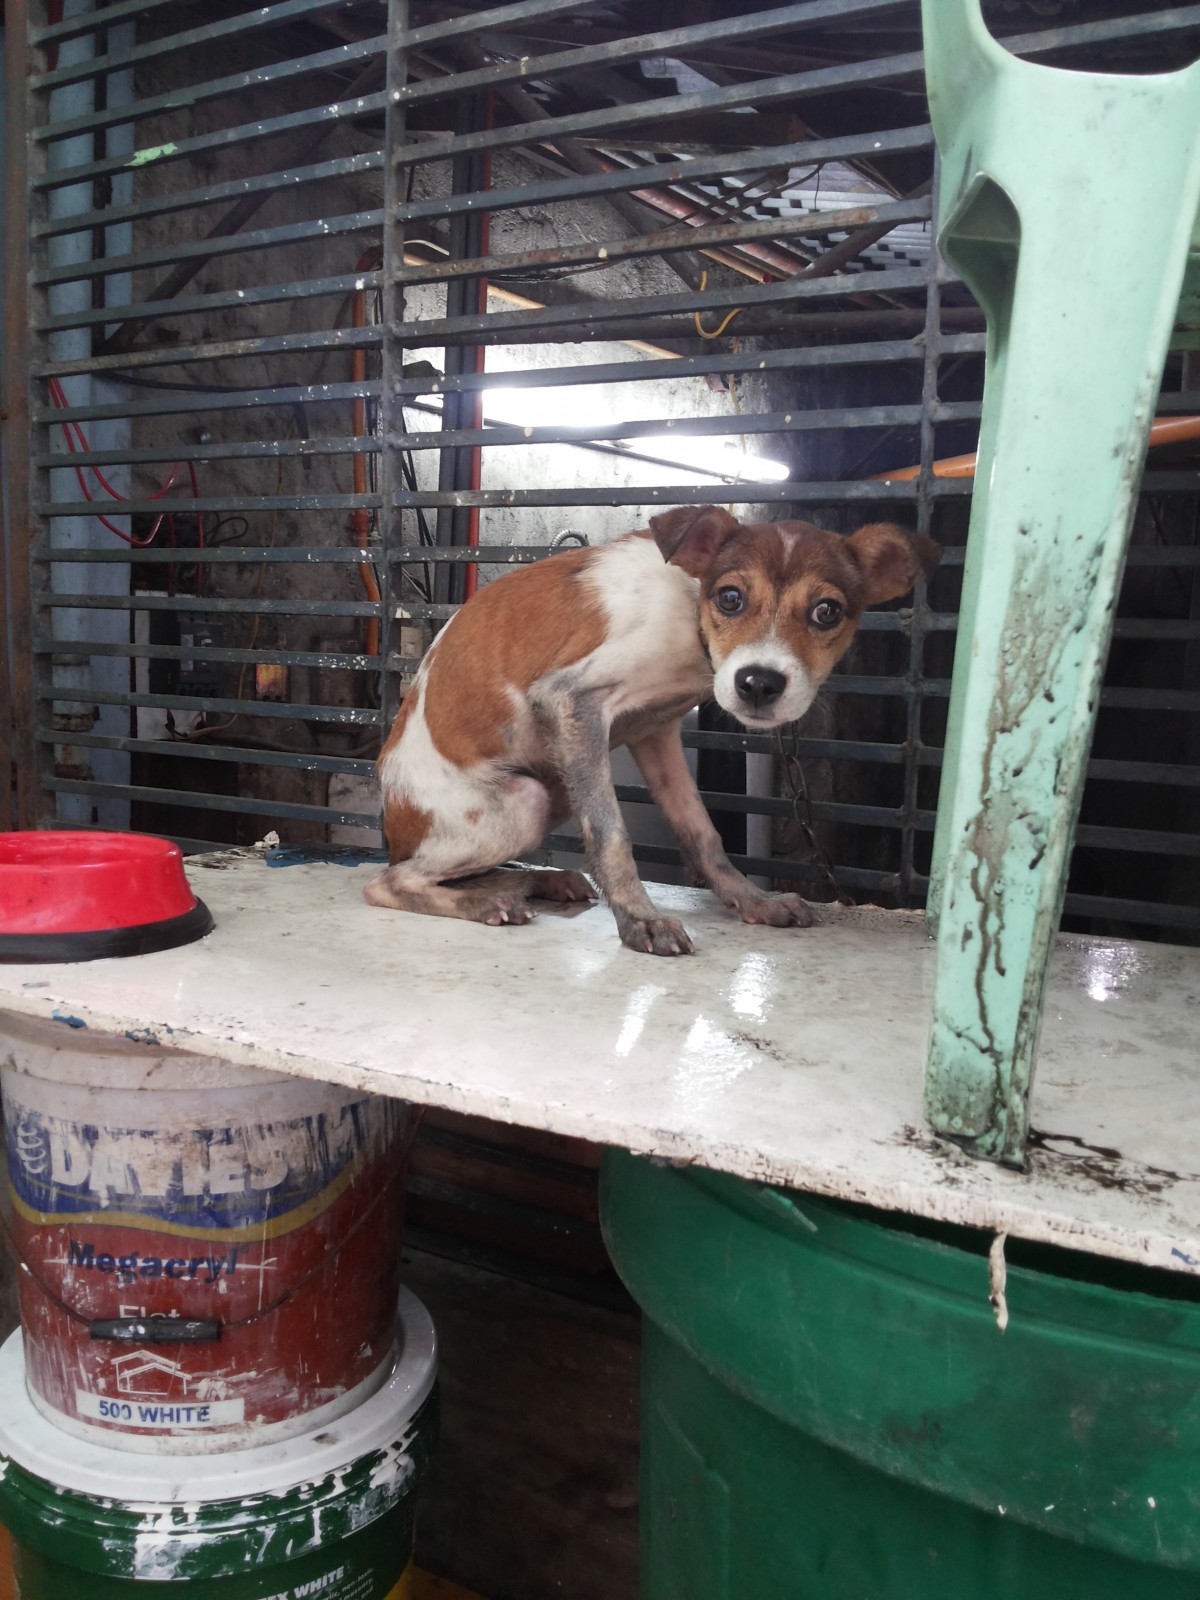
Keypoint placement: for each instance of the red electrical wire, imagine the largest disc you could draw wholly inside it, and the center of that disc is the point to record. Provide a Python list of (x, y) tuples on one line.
[(77, 444)]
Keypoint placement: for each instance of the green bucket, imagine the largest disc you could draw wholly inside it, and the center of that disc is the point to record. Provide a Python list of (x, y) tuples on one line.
[(327, 1514), (830, 1411)]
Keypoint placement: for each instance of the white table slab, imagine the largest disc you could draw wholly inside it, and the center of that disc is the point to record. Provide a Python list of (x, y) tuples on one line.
[(785, 1056)]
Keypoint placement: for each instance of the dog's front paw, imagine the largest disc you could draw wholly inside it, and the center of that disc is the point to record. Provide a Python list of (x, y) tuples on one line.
[(778, 911), (655, 936)]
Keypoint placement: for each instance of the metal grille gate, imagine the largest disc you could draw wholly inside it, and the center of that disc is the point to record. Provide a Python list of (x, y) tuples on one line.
[(281, 259)]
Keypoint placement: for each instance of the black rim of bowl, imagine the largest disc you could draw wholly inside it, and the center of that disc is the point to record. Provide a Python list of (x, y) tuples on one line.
[(96, 944)]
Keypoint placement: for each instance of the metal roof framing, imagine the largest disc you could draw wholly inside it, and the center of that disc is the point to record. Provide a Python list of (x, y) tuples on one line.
[(314, 381)]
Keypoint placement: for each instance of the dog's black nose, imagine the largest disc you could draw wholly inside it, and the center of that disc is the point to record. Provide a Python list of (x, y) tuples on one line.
[(759, 686)]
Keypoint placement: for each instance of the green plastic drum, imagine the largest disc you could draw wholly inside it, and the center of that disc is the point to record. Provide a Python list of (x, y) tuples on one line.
[(830, 1411), (329, 1513)]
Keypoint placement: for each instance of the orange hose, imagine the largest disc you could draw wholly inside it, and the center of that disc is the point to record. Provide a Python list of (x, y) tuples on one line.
[(1163, 430)]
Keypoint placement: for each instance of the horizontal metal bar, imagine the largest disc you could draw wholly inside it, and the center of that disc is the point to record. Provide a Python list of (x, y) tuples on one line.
[(1160, 772), (1162, 482), (202, 800), (757, 94), (664, 174), (419, 611), (939, 688), (224, 300), (497, 433), (197, 399), (367, 338), (818, 749), (82, 22), (366, 444), (822, 810), (222, 244), (1152, 914), (664, 111), (1112, 29), (224, 138), (267, 502), (668, 495), (224, 707), (890, 279), (1157, 555), (1137, 555), (517, 554), (456, 555), (83, 650), (204, 37), (244, 755), (218, 555), (727, 426), (678, 236), (191, 199), (758, 866), (205, 604), (471, 22), (833, 355), (341, 56), (1138, 840), (1162, 629), (902, 622), (1150, 699), (667, 41)]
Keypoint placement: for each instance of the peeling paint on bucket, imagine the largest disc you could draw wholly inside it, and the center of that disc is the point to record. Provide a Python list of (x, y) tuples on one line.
[(328, 1513), (151, 1188)]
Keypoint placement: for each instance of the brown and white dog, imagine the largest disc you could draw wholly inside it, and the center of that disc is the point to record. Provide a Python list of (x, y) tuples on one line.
[(507, 728)]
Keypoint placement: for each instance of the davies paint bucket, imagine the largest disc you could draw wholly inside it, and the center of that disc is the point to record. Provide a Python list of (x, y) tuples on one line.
[(211, 1253), (327, 1514)]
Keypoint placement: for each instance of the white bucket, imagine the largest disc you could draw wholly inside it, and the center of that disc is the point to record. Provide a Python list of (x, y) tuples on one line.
[(329, 1512)]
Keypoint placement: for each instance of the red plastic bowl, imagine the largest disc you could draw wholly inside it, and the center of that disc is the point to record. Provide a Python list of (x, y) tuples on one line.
[(71, 896)]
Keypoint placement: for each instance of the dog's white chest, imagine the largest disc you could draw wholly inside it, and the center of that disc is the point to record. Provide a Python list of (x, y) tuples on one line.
[(652, 652)]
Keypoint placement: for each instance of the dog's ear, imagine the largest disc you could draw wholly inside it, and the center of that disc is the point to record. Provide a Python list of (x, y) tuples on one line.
[(891, 559), (689, 536)]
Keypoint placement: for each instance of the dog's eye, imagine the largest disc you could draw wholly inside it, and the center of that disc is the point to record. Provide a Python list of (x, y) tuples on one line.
[(730, 600), (827, 613)]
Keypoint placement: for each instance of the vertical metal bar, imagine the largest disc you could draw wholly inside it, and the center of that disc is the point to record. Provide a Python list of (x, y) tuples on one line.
[(12, 96), (454, 467), (73, 252), (23, 156), (920, 607), (391, 418)]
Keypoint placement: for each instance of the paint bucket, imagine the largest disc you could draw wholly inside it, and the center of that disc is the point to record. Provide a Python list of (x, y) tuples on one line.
[(212, 1251), (327, 1513)]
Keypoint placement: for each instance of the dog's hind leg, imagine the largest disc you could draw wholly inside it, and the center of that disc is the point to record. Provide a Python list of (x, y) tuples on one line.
[(496, 898), (449, 865)]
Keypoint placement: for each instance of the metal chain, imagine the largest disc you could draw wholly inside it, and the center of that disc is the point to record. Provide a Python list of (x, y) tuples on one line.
[(797, 792)]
